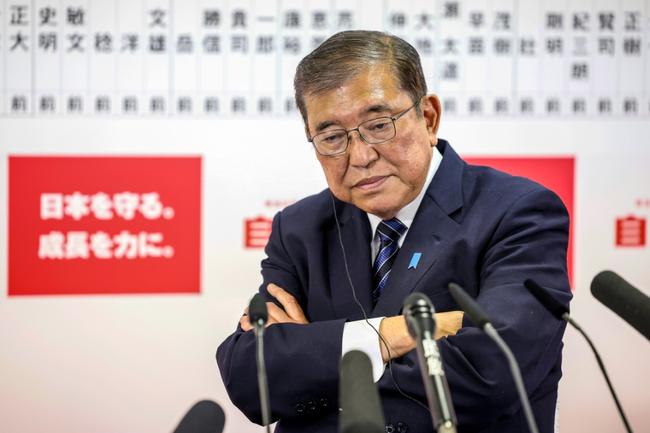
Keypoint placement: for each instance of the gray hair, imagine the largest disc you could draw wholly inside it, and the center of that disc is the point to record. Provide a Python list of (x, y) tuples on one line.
[(346, 54)]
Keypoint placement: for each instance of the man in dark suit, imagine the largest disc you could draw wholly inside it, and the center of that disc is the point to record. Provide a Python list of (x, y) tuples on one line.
[(402, 213)]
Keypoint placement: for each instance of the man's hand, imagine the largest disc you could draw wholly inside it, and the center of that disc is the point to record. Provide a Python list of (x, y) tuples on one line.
[(290, 313), (395, 332)]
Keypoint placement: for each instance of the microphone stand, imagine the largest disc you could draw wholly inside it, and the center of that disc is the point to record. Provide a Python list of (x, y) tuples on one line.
[(434, 384), (480, 318), (262, 383), (420, 319), (561, 312), (573, 323), (516, 375)]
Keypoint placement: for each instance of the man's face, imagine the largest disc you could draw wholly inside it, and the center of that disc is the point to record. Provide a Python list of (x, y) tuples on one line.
[(380, 178)]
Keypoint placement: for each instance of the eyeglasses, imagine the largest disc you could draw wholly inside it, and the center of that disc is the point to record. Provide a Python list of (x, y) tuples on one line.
[(373, 131)]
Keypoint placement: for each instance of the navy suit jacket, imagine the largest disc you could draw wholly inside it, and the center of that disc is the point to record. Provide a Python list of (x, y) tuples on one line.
[(487, 231)]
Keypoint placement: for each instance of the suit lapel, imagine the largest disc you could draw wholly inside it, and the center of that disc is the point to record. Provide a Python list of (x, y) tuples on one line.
[(355, 233), (428, 235)]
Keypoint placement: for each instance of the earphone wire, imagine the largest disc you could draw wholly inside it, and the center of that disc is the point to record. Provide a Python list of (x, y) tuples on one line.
[(363, 311)]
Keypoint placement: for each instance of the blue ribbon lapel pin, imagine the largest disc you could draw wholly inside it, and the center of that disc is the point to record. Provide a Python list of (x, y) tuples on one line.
[(415, 259)]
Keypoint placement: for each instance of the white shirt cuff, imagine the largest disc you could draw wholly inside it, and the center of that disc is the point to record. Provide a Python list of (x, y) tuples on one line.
[(357, 335)]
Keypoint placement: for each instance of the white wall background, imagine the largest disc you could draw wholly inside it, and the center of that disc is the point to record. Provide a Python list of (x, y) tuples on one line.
[(136, 363)]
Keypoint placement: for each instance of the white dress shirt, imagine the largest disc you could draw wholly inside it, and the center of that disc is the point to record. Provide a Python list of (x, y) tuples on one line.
[(357, 335)]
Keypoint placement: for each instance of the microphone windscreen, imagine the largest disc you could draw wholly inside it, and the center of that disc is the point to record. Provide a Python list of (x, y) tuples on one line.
[(555, 307), (622, 298), (417, 300), (206, 416), (257, 309), (420, 314), (358, 396), (468, 305)]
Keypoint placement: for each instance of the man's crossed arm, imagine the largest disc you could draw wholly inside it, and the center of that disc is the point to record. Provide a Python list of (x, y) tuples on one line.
[(393, 329)]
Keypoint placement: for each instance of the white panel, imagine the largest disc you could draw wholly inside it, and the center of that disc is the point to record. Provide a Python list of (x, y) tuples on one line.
[(157, 47), (102, 17), (77, 44), (185, 46), (267, 47), (48, 51), (296, 40), (130, 66), (646, 68), (3, 60), (633, 41), (529, 47), (213, 37), (450, 39), (424, 23), (580, 47), (479, 47), (554, 52), (18, 21), (502, 47), (239, 74)]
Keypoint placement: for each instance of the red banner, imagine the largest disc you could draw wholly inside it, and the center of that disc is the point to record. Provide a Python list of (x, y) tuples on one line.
[(555, 174), (104, 225)]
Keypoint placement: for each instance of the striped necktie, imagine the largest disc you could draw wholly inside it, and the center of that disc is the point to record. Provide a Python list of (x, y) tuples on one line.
[(388, 232)]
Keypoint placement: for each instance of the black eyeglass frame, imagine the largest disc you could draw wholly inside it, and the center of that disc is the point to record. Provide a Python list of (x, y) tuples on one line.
[(348, 131)]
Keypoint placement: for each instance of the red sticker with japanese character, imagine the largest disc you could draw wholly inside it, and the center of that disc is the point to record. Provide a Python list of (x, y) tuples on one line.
[(257, 231), (104, 225)]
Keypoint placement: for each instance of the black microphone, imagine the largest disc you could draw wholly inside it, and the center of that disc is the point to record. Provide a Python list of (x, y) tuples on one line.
[(422, 326), (561, 312), (258, 315), (358, 396), (481, 319), (624, 299), (555, 307), (206, 416)]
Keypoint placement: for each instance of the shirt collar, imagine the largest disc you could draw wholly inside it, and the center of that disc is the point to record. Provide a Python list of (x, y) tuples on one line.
[(407, 213)]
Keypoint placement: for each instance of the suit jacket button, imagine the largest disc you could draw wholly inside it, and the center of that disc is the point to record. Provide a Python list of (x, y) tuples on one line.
[(390, 428), (323, 403), (311, 406), (402, 428), (300, 408)]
